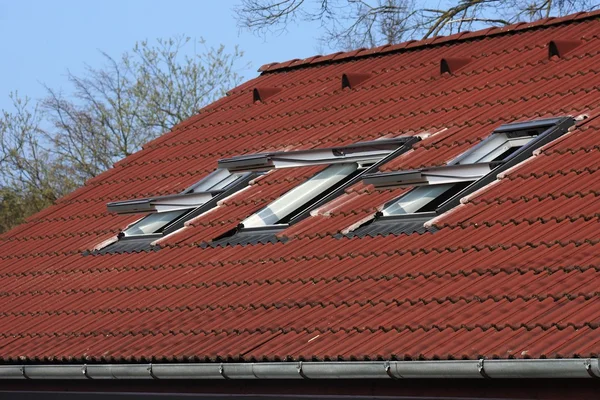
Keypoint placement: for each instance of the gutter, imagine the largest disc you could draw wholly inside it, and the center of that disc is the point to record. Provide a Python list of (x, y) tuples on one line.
[(450, 369)]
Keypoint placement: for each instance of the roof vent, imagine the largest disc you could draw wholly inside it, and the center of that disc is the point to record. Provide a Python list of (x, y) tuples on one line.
[(263, 93), (560, 48), (353, 79), (452, 64)]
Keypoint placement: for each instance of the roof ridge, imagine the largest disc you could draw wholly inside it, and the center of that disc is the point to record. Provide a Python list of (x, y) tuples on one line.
[(436, 40)]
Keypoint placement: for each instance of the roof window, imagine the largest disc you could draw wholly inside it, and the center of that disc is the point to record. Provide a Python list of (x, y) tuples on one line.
[(345, 166), (166, 214), (292, 203), (219, 180), (439, 189)]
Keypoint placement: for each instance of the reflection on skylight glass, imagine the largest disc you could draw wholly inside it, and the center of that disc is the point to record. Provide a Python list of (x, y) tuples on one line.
[(496, 148), (416, 199), (300, 195), (218, 180), (153, 223)]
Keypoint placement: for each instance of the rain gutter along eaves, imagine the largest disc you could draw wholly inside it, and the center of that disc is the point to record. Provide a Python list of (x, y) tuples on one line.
[(450, 369)]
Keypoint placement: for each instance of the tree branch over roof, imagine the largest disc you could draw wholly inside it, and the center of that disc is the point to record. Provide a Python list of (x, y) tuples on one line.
[(348, 24)]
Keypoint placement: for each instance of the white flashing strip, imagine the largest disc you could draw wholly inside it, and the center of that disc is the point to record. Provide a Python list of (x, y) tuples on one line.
[(429, 176), (160, 204), (414, 200), (364, 153), (570, 368)]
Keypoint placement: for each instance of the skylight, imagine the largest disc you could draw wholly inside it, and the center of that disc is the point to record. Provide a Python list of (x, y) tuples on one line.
[(166, 214), (345, 166), (438, 189), (219, 180), (165, 210)]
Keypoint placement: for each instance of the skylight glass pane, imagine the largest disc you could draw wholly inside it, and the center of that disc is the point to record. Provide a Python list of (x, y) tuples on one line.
[(416, 199), (225, 182), (153, 223), (218, 180), (299, 196), (496, 148)]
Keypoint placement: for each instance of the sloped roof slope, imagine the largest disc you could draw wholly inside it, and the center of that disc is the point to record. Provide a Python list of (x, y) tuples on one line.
[(514, 272)]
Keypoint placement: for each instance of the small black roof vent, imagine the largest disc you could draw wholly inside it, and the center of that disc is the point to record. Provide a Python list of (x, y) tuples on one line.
[(561, 47), (353, 79), (263, 93), (452, 64)]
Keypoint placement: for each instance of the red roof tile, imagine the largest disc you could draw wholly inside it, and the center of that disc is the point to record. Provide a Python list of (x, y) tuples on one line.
[(512, 272)]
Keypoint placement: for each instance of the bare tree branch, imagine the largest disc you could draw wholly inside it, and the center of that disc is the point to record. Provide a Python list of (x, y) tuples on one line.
[(50, 148), (366, 23)]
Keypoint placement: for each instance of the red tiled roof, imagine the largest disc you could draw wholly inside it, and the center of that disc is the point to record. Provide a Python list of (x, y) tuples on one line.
[(513, 272)]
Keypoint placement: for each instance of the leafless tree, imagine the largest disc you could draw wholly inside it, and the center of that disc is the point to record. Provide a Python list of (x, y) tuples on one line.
[(366, 23), (134, 99), (49, 148)]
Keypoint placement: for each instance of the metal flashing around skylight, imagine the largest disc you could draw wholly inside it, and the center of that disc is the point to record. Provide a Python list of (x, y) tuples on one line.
[(128, 239), (129, 245), (371, 151), (250, 236), (212, 203), (394, 225), (520, 136)]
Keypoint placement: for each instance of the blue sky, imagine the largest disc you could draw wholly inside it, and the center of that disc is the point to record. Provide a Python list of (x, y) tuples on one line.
[(41, 39)]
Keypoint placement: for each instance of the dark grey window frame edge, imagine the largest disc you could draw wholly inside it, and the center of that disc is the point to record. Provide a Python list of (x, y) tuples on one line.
[(406, 144), (120, 246), (378, 219), (249, 236), (554, 128)]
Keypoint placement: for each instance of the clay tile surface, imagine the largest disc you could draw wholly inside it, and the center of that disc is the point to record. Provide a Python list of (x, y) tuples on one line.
[(513, 272)]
